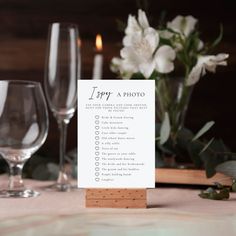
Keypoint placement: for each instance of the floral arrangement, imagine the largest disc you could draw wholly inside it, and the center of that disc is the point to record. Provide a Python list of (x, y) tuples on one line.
[(173, 52), (150, 53)]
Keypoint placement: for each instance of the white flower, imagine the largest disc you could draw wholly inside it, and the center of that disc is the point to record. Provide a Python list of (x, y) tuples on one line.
[(183, 25), (136, 27), (164, 59), (206, 63), (120, 66), (141, 53)]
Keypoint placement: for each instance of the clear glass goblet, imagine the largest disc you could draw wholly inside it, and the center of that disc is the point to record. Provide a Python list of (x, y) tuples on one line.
[(61, 74), (23, 130)]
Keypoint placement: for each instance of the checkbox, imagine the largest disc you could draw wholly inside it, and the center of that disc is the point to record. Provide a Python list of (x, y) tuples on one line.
[(96, 158), (97, 143), (97, 179), (96, 163), (96, 127), (97, 173), (96, 117), (97, 169), (97, 153), (96, 137), (97, 122), (97, 132), (96, 148)]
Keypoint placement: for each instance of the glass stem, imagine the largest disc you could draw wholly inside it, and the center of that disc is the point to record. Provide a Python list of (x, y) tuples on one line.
[(62, 178), (15, 180)]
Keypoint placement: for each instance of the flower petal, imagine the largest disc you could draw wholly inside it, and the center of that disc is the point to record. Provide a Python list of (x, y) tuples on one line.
[(115, 64), (123, 68), (152, 38), (189, 25), (208, 62), (129, 54), (194, 75), (222, 56), (165, 34), (164, 59), (175, 24), (200, 45), (142, 19), (147, 69), (132, 26), (183, 25)]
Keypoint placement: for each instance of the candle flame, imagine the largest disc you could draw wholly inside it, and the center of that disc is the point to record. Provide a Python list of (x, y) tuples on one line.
[(99, 42)]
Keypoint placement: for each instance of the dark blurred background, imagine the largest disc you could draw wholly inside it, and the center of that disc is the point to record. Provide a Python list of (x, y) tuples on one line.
[(23, 34)]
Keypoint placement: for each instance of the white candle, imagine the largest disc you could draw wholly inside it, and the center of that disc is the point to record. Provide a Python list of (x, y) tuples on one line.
[(97, 68), (98, 59)]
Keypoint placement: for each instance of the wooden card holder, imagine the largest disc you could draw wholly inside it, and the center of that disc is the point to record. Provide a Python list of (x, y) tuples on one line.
[(116, 198)]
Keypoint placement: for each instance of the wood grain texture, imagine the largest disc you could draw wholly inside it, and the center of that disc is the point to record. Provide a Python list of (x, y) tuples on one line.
[(187, 176), (116, 198), (116, 203), (116, 193)]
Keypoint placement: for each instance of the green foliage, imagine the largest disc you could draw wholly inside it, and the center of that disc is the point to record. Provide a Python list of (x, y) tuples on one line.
[(203, 153), (203, 130), (206, 146), (228, 168), (43, 167), (211, 193), (165, 129), (216, 154), (209, 47)]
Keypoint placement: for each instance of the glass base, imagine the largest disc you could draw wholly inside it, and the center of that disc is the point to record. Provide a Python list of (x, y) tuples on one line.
[(61, 187), (18, 193)]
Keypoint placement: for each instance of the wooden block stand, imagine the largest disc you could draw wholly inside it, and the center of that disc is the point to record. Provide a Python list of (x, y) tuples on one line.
[(116, 198)]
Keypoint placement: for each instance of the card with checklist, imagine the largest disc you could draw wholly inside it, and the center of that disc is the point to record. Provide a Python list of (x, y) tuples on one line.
[(116, 133)]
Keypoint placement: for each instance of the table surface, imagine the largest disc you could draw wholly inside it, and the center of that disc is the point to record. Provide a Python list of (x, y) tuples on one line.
[(172, 211)]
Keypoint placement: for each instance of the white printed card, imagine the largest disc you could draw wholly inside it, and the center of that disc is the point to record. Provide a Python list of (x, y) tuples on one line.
[(116, 133)]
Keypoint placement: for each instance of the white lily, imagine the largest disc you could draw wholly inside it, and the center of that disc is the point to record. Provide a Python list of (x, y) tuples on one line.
[(141, 53), (206, 63), (183, 25)]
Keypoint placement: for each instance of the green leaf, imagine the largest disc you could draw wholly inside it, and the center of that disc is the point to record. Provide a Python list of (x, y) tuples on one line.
[(212, 194), (218, 185), (216, 154), (193, 152), (165, 129), (137, 76), (219, 38), (203, 130), (206, 146)]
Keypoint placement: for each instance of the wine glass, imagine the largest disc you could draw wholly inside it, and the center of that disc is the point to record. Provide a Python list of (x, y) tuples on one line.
[(60, 82), (23, 129)]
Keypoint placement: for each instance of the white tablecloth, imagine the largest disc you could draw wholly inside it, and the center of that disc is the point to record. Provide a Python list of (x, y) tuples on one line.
[(172, 211)]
